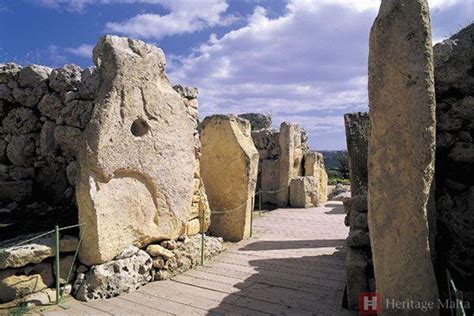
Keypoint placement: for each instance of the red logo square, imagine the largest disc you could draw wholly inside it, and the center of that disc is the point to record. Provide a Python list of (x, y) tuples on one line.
[(369, 303)]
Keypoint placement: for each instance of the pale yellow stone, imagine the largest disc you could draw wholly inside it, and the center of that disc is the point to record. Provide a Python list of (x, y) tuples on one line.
[(291, 158), (314, 167), (158, 251), (137, 158), (401, 152), (229, 164)]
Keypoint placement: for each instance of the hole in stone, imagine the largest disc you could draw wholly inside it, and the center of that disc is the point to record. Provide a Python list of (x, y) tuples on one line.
[(139, 127)]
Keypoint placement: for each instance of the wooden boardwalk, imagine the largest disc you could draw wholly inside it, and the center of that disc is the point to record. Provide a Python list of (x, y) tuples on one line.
[(293, 265)]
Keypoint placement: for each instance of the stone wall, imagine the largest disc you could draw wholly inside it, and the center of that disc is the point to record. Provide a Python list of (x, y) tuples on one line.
[(122, 135), (43, 113), (357, 131), (454, 82)]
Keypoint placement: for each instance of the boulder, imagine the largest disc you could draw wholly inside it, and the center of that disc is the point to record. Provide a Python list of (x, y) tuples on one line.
[(258, 121), (158, 251), (20, 121), (304, 192), (356, 276), (139, 148), (68, 139), (17, 283), (115, 277), (21, 149), (357, 132), (8, 72), (51, 106), (33, 75), (229, 164), (47, 141), (77, 113), (186, 92), (401, 147), (66, 78), (33, 252), (291, 158)]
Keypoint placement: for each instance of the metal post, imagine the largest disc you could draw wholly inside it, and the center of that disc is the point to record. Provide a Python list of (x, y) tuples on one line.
[(202, 237), (58, 272), (251, 217)]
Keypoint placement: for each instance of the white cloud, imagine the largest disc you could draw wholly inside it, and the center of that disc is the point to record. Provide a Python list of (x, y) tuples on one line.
[(83, 50), (309, 66), (184, 17)]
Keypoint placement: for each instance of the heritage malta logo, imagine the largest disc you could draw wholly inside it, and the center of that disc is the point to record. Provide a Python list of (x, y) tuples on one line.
[(369, 303)]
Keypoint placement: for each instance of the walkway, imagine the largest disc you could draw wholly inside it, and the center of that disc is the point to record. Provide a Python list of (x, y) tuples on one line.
[(294, 264)]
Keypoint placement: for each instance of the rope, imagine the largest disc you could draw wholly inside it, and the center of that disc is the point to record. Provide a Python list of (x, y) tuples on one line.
[(241, 206)]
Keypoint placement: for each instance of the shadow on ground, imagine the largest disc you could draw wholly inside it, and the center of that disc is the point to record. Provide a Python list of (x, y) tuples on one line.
[(304, 285), (337, 208)]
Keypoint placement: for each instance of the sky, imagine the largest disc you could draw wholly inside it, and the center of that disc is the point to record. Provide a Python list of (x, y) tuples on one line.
[(303, 61)]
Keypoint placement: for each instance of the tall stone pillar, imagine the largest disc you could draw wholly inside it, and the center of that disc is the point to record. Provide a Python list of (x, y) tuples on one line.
[(314, 167), (229, 164), (291, 158), (401, 152), (137, 160), (357, 131)]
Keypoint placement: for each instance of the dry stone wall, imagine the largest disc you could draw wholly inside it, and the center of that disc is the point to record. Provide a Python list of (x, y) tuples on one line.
[(128, 141), (43, 112), (454, 82)]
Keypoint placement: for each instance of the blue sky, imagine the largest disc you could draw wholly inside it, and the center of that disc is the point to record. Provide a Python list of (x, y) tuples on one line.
[(299, 60)]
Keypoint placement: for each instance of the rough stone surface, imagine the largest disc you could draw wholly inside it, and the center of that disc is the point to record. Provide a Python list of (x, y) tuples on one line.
[(401, 147), (314, 166), (291, 158), (139, 147), (356, 276), (258, 121), (454, 80), (18, 191), (34, 252), (229, 165), (270, 180), (357, 132), (17, 283), (115, 277), (304, 192), (159, 251)]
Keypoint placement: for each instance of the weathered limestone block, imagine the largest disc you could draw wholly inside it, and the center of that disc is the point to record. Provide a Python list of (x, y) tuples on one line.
[(357, 132), (258, 121), (291, 157), (229, 165), (314, 167), (17, 283), (356, 276), (33, 252), (304, 192), (401, 147), (115, 277), (139, 149), (270, 180)]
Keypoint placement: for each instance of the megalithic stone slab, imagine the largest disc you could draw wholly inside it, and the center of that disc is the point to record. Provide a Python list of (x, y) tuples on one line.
[(357, 133), (401, 151), (291, 158), (314, 167), (229, 164), (137, 156)]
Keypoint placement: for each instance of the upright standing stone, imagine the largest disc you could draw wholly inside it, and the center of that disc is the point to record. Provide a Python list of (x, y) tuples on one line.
[(229, 163), (291, 157), (137, 159), (357, 132), (314, 167), (401, 150)]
